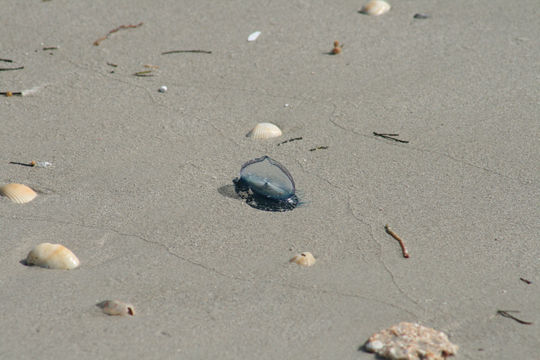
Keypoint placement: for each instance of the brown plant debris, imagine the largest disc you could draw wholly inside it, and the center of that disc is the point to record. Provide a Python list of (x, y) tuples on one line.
[(506, 314), (411, 341), (186, 51), (390, 137), (98, 41), (401, 243)]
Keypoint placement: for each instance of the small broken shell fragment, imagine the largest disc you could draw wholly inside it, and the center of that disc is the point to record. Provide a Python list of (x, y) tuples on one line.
[(375, 8), (410, 341), (254, 36), (18, 193), (304, 259), (52, 256), (115, 307), (265, 130)]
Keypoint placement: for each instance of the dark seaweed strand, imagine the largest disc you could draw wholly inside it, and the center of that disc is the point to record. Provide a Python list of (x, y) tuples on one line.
[(6, 60), (8, 69), (319, 148), (389, 137), (525, 281), (290, 140), (186, 51), (506, 314)]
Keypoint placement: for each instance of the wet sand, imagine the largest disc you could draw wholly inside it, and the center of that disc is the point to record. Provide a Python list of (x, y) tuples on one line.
[(141, 184)]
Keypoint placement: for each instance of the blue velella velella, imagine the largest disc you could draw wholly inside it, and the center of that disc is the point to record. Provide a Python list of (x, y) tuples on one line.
[(266, 184)]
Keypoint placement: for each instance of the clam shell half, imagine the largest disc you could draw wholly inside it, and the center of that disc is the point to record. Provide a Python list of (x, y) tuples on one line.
[(265, 131), (375, 8), (52, 256), (18, 193)]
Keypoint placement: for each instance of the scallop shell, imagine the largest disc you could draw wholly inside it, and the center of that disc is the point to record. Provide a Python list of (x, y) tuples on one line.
[(376, 8), (18, 193), (115, 307), (265, 130), (52, 256), (304, 259)]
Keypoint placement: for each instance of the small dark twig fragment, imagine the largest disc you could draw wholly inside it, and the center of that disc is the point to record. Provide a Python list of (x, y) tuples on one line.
[(525, 281), (6, 60), (506, 314), (290, 140), (390, 137), (111, 64), (50, 48), (98, 41), (22, 164), (11, 93), (420, 16), (186, 51), (319, 147), (395, 236), (8, 69)]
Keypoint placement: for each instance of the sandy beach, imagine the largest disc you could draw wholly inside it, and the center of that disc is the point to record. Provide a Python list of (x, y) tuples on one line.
[(141, 182)]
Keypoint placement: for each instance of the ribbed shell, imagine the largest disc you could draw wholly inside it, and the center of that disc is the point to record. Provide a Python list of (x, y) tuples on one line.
[(376, 8), (18, 193), (52, 256), (265, 131)]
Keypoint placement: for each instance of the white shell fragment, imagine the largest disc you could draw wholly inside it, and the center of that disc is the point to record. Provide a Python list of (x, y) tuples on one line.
[(162, 89), (115, 307), (18, 193), (254, 36), (265, 131), (411, 341), (375, 8), (304, 259), (52, 256)]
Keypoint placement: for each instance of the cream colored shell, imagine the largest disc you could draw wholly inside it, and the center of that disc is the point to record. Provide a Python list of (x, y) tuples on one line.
[(115, 307), (376, 8), (265, 131), (304, 259), (52, 256), (18, 193)]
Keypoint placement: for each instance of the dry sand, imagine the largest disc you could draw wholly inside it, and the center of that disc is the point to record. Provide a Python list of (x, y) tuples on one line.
[(141, 185)]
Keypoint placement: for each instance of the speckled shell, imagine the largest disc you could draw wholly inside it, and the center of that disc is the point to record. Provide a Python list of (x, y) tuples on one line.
[(304, 259), (52, 256), (18, 193), (268, 178), (115, 307), (376, 8), (265, 131)]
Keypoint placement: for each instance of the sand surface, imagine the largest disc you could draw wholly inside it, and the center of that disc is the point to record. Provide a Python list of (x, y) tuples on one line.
[(141, 186)]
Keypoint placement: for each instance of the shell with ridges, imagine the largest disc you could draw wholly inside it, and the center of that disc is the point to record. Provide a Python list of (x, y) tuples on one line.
[(52, 256), (305, 259), (18, 193), (265, 130), (376, 8), (115, 307)]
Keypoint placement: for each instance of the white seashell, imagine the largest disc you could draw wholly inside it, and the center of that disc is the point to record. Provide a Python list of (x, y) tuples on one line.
[(304, 259), (254, 36), (52, 256), (115, 307), (18, 193), (163, 89), (265, 131), (376, 8)]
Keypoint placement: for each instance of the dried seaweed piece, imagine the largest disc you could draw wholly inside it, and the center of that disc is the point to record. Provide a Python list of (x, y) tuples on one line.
[(390, 137), (9, 69), (506, 314), (401, 243), (98, 41), (411, 341), (186, 51)]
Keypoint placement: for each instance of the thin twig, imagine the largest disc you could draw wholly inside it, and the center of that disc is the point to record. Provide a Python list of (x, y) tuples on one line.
[(22, 164), (145, 73), (8, 69), (395, 236), (319, 147), (525, 280), (186, 51), (50, 48), (98, 41), (506, 314), (389, 137), (6, 60), (11, 93)]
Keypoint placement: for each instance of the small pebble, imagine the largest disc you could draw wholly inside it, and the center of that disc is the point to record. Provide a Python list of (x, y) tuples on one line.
[(163, 89)]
